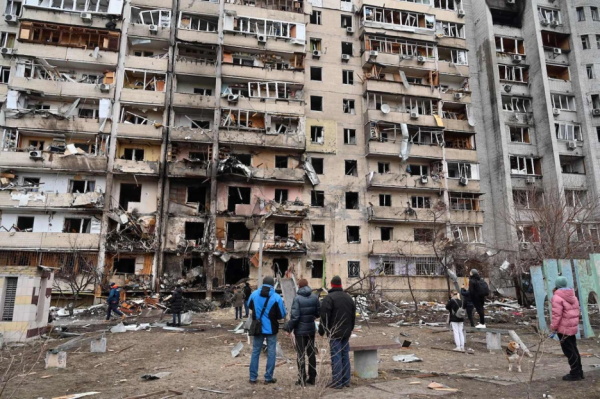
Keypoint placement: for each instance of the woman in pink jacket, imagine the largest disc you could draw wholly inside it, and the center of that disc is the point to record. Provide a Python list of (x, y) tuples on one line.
[(565, 320)]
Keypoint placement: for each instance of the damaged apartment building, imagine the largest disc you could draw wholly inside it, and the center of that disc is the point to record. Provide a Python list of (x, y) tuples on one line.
[(191, 143)]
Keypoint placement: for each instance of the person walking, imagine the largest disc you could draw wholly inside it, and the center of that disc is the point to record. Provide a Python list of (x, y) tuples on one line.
[(565, 322), (247, 292), (338, 315), (468, 304), (478, 290), (305, 309), (113, 302), (177, 305), (267, 306), (238, 302), (455, 306)]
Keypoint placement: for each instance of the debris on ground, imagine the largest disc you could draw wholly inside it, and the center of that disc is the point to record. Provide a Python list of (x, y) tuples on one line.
[(157, 376), (407, 358)]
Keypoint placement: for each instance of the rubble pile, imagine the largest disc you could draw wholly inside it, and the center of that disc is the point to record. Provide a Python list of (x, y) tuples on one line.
[(200, 305), (133, 232), (286, 244)]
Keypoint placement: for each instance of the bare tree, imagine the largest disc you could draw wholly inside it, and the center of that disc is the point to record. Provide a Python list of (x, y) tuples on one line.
[(78, 273)]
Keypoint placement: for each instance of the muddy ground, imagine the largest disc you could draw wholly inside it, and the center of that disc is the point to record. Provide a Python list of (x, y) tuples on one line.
[(202, 359)]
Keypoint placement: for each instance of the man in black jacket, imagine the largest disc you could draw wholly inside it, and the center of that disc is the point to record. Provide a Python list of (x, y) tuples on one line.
[(247, 292), (468, 303), (338, 314), (305, 309), (177, 305), (477, 299)]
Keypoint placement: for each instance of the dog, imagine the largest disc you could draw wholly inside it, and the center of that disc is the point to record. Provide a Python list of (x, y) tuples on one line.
[(514, 355)]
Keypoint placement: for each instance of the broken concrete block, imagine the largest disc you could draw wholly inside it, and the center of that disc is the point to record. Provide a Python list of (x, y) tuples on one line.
[(186, 318), (98, 345), (119, 328), (493, 341), (237, 349), (56, 360)]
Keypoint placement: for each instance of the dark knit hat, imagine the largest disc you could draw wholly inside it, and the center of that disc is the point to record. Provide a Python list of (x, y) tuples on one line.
[(336, 281), (269, 280)]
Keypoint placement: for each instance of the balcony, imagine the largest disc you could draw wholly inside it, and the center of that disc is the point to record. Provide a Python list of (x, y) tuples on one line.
[(449, 96), (60, 89), (148, 63), (72, 125), (286, 210), (288, 176), (149, 97), (62, 17), (49, 241), (402, 182), (573, 180), (272, 44), (473, 186), (466, 217), (150, 3), (399, 215), (136, 167), (259, 74), (458, 125), (185, 168), (200, 7), (400, 248), (285, 141), (269, 106), (400, 117), (392, 148), (259, 11), (195, 36), (191, 135), (130, 130), (67, 54), (452, 42), (190, 66), (396, 60), (142, 30), (397, 88), (54, 162), (51, 200), (448, 68), (187, 100)]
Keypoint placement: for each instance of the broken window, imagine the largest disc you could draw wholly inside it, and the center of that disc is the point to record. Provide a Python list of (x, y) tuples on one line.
[(13, 7), (516, 104), (196, 195), (524, 166), (510, 45), (124, 266), (558, 72), (418, 170), (513, 73), (194, 231), (580, 14), (568, 131), (76, 225), (353, 234), (133, 154), (550, 16), (347, 77), (317, 198), (318, 233), (519, 134), (385, 200), (589, 69), (423, 235), (245, 159), (455, 56), (383, 167), (199, 23), (572, 165), (397, 17), (563, 102), (4, 74), (281, 232), (315, 45), (63, 35), (160, 18), (353, 269), (348, 106), (346, 21), (576, 198), (585, 42), (316, 73), (595, 101), (81, 186), (461, 169), (350, 136), (351, 200), (7, 39), (281, 162), (269, 90), (202, 91), (450, 5), (347, 48), (419, 202), (527, 199), (238, 195), (31, 182), (403, 47), (317, 269), (386, 233), (452, 29), (25, 223), (318, 165), (351, 167), (315, 18), (471, 234), (281, 195), (144, 80), (316, 134), (236, 231), (316, 103), (270, 28), (129, 193)]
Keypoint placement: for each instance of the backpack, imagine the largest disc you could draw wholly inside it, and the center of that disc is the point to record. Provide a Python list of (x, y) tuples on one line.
[(482, 288), (461, 313)]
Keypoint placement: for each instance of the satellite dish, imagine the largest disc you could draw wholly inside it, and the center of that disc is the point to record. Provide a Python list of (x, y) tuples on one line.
[(385, 108)]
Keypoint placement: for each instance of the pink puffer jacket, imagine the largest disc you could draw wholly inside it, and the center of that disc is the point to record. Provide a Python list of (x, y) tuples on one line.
[(565, 311)]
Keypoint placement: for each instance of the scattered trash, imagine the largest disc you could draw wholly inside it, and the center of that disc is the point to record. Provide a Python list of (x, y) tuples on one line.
[(186, 318), (407, 358), (76, 395), (119, 328), (441, 387), (212, 390), (237, 349), (157, 376)]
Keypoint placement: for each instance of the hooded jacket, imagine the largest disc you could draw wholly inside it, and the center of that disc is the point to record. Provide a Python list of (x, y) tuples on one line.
[(565, 311), (466, 297), (177, 300), (247, 292), (473, 281), (338, 314), (274, 308), (305, 309)]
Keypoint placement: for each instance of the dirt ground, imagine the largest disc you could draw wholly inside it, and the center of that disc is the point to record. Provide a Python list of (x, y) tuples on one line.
[(202, 359)]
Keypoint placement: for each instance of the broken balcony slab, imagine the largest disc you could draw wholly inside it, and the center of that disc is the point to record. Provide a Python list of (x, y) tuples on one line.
[(52, 241), (392, 148), (55, 162), (188, 168), (393, 248), (194, 36), (291, 176), (399, 117), (149, 131), (293, 141), (397, 88), (190, 100), (136, 167), (32, 200), (69, 54), (64, 18), (205, 7), (59, 89), (149, 63), (402, 181), (268, 105), (149, 97), (43, 123), (191, 66), (287, 46), (181, 133), (283, 75), (282, 10), (397, 214)]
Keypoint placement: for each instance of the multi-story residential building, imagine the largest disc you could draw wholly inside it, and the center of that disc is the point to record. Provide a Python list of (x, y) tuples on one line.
[(174, 142)]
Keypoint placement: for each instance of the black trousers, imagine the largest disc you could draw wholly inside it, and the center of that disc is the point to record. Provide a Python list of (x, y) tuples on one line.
[(568, 344), (306, 344), (470, 309), (480, 311)]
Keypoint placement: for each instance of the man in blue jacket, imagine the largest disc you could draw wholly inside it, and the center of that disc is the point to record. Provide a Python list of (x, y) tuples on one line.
[(268, 305), (113, 302)]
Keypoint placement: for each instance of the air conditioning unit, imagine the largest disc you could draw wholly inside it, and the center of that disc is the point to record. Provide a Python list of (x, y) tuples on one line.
[(11, 19), (524, 246), (463, 181), (554, 23), (104, 88), (530, 180), (544, 22), (507, 88), (595, 111), (571, 145), (457, 96), (349, 30), (7, 52), (373, 54), (232, 98), (555, 111), (421, 59), (153, 29), (316, 54), (414, 115), (424, 179), (35, 155), (262, 38), (461, 13), (86, 17), (510, 1), (517, 58), (345, 57), (556, 50)]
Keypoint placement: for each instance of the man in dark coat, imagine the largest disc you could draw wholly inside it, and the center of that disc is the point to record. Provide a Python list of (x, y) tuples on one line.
[(338, 314), (466, 297), (177, 305), (477, 299), (113, 302), (238, 302), (305, 309), (247, 293)]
